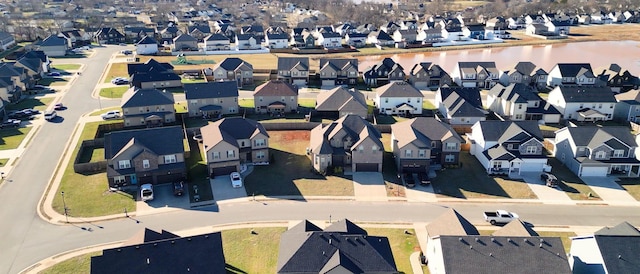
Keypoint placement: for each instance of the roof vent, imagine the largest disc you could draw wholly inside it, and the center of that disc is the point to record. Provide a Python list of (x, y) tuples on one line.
[(323, 253), (460, 239), (477, 239), (173, 242), (619, 256), (470, 247), (138, 247), (490, 254), (148, 262), (540, 245), (493, 239), (329, 241)]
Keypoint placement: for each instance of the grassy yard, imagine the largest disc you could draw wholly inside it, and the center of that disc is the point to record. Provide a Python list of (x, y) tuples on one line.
[(246, 103), (87, 195), (402, 245), (632, 185), (389, 169), (35, 103), (471, 181), (426, 104), (389, 119), (181, 107), (11, 138), (307, 103), (259, 61), (3, 162), (113, 92), (245, 252), (53, 82), (575, 188), (67, 66), (290, 171), (198, 174), (78, 264), (195, 80), (116, 70), (104, 110)]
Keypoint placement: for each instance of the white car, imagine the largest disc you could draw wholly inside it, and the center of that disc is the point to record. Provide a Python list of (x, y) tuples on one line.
[(146, 192), (236, 179), (50, 115), (113, 114)]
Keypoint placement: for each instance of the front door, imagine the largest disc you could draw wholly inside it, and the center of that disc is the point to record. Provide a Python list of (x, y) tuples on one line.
[(134, 179)]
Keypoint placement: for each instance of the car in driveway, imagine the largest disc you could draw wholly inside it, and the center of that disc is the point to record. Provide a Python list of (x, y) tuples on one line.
[(10, 123), (53, 74), (236, 180), (113, 114), (119, 81), (178, 188), (549, 179), (146, 192)]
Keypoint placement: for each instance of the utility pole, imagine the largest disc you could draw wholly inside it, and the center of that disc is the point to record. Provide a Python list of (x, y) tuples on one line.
[(64, 204)]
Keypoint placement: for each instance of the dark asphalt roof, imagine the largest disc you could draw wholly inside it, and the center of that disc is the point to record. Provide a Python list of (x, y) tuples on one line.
[(495, 130), (219, 89), (288, 63), (147, 41), (160, 140), (233, 63), (150, 65), (594, 136), (619, 253), (138, 78), (587, 94), (573, 69), (53, 40), (146, 97)]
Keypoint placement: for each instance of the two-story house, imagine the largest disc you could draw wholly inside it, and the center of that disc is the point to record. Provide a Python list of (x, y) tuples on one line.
[(185, 42), (169, 33), (8, 92), (476, 74), (7, 40), (597, 151), (460, 106), (508, 147), (337, 72), (428, 75), (232, 141), (571, 74), (199, 32), (521, 102), (276, 97), (380, 38), (234, 69), (384, 72), (256, 30), (147, 107), (216, 41), (355, 39), (618, 79), (147, 46), (583, 103), (341, 101), (134, 34), (53, 46), (607, 250), (144, 156), (628, 106), (329, 40), (153, 74), (109, 36), (399, 98), (211, 99), (350, 141), (294, 70), (247, 42), (277, 40), (525, 73), (422, 142), (18, 76)]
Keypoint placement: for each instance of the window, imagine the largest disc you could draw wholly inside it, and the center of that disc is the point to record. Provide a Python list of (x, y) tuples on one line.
[(519, 106), (408, 100), (260, 155), (231, 154), (259, 142), (532, 149), (361, 148), (124, 164), (581, 105), (145, 163), (518, 116), (449, 158), (601, 155), (497, 165), (282, 98), (168, 159), (193, 102), (386, 100), (451, 146), (407, 153), (374, 148), (599, 105), (216, 155), (260, 98), (611, 106), (119, 179), (421, 153), (618, 153)]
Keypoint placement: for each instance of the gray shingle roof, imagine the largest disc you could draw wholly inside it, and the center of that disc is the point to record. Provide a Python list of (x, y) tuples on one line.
[(219, 89), (587, 94), (451, 223), (515, 228), (622, 229), (184, 38), (150, 65), (53, 40), (398, 89), (619, 253), (288, 63), (575, 69), (233, 63), (593, 136), (477, 66), (216, 37), (146, 97), (276, 88), (147, 41), (160, 140), (335, 99), (515, 92), (421, 131), (338, 63), (355, 127), (462, 102), (230, 129), (499, 130), (276, 36)]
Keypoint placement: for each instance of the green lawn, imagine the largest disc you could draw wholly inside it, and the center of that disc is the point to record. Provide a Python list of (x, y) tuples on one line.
[(290, 171), (247, 252), (181, 107), (198, 174), (402, 245), (67, 66), (78, 264), (113, 92), (564, 236), (3, 161), (88, 195), (307, 103), (570, 183), (195, 80), (53, 82), (104, 110), (116, 70), (39, 104), (246, 103), (472, 181), (11, 138), (426, 104), (632, 185)]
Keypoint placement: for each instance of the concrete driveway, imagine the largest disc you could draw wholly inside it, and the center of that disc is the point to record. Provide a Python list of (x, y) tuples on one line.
[(369, 186), (420, 193), (163, 199), (609, 190), (222, 189), (545, 194)]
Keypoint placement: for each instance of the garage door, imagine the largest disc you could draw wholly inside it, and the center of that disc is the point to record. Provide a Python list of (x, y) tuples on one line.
[(366, 167), (594, 171), (218, 171), (530, 167)]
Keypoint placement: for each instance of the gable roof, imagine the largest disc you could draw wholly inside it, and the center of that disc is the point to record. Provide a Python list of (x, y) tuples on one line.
[(232, 63), (150, 65), (478, 66), (353, 125), (339, 64), (462, 101), (385, 65), (421, 131), (185, 38), (575, 69), (339, 97), (515, 228), (451, 223), (525, 68), (398, 89), (52, 41), (288, 63), (147, 40), (515, 92), (345, 226), (147, 235), (135, 97), (621, 229), (500, 131), (170, 141), (587, 94), (216, 37), (619, 253), (230, 129), (218, 89), (276, 88), (198, 254), (594, 136)]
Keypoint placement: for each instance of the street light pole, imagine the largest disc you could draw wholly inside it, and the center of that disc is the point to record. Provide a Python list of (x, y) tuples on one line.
[(64, 204)]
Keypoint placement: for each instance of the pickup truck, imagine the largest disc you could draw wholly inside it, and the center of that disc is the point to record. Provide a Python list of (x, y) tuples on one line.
[(499, 216)]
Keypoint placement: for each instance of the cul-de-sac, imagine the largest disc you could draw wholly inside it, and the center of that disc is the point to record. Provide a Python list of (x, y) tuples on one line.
[(343, 136)]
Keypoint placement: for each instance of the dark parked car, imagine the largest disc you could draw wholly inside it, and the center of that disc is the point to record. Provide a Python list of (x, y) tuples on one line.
[(59, 106), (178, 188), (549, 179), (424, 178), (22, 115), (408, 179), (10, 123)]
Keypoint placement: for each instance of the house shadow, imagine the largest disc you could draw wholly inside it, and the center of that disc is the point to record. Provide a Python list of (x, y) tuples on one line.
[(233, 270), (470, 177)]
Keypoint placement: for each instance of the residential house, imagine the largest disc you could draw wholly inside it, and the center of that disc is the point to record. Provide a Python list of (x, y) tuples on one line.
[(475, 31), (584, 19), (617, 79), (538, 29), (422, 142), (7, 41), (399, 98), (199, 32), (277, 40), (232, 141), (476, 74), (342, 247), (508, 147), (434, 34), (571, 74), (13, 75), (455, 246), (384, 72), (380, 38), (76, 38), (147, 107), (304, 40), (329, 40), (628, 106), (336, 72), (558, 27), (428, 75), (516, 22), (460, 106), (133, 34), (276, 97), (246, 42), (234, 69), (54, 46), (357, 40), (341, 101), (350, 142), (597, 151), (185, 42), (525, 73), (583, 103), (169, 33), (294, 70), (609, 250), (390, 27), (9, 92), (144, 156), (520, 102), (198, 253), (211, 99), (256, 30), (109, 36), (147, 46), (153, 74), (409, 36), (33, 67), (37, 54), (216, 41), (496, 32)]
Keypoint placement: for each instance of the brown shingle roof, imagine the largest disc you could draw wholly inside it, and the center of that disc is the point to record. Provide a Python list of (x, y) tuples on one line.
[(276, 88)]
